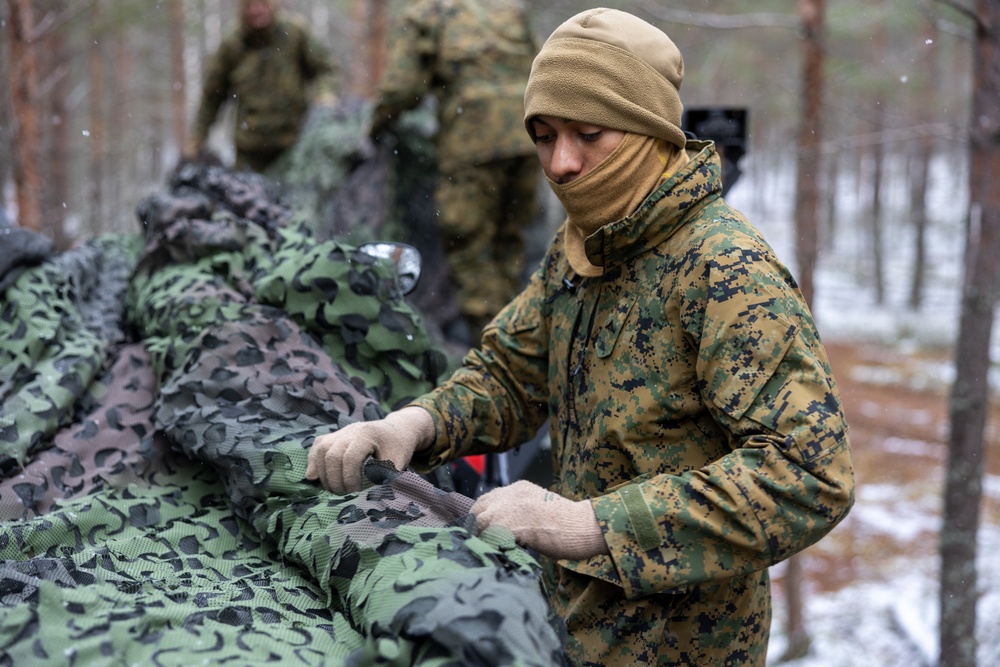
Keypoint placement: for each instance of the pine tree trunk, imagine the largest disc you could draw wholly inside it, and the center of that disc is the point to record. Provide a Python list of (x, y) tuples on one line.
[(122, 164), (807, 201), (970, 392), (876, 237), (358, 75), (377, 42), (808, 165), (95, 132), (24, 108), (6, 137), (831, 168), (57, 183), (919, 170), (178, 90)]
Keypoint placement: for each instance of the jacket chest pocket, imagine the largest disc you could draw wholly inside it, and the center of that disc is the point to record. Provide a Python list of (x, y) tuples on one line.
[(609, 328)]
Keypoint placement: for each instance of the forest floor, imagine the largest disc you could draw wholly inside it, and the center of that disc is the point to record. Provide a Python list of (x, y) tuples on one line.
[(871, 586)]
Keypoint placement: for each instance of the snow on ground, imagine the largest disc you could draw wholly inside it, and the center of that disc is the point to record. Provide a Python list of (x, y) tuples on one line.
[(887, 616), (891, 620)]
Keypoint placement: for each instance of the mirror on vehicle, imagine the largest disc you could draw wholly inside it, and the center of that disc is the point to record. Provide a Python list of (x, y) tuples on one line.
[(406, 258)]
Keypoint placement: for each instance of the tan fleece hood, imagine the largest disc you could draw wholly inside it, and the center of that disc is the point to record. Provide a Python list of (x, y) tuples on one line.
[(609, 68)]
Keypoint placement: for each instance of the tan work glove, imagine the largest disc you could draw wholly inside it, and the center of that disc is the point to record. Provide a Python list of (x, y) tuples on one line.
[(550, 524), (336, 458)]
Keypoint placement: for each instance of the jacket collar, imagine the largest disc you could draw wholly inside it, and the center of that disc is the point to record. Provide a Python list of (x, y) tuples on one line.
[(665, 211)]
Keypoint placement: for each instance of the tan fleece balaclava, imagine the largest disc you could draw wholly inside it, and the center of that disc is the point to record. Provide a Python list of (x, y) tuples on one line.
[(613, 190), (611, 69)]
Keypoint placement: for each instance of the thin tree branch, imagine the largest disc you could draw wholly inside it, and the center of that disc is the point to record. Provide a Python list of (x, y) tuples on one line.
[(720, 21), (890, 136), (54, 20)]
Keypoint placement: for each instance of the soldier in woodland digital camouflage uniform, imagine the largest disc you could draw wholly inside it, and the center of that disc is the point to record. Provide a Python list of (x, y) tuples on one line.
[(697, 433), (274, 69), (474, 57)]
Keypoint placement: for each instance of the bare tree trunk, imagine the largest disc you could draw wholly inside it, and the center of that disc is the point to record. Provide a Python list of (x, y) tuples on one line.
[(810, 134), (121, 165), (919, 170), (830, 209), (96, 130), (358, 74), (878, 168), (24, 107), (57, 184), (807, 201), (875, 212), (377, 43), (6, 137), (178, 95), (369, 30), (970, 392)]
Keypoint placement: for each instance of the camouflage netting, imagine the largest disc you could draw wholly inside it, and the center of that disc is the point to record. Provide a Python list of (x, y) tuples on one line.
[(160, 394), (351, 188)]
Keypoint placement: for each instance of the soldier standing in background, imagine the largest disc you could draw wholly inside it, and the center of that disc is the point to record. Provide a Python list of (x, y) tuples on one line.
[(473, 56), (698, 436), (274, 69)]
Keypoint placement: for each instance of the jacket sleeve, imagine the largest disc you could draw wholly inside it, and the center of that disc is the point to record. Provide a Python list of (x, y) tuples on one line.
[(215, 90), (413, 52), (788, 479), (498, 398), (319, 68)]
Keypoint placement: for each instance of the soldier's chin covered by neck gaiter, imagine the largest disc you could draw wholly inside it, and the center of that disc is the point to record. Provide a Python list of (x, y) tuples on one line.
[(613, 190)]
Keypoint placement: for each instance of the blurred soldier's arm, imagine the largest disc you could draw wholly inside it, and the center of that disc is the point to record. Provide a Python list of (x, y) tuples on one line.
[(215, 89), (409, 74), (320, 69)]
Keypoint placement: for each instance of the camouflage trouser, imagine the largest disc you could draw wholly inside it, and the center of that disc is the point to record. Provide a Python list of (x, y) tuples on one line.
[(484, 210)]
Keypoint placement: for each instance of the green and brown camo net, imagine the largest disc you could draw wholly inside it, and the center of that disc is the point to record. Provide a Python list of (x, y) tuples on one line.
[(159, 396)]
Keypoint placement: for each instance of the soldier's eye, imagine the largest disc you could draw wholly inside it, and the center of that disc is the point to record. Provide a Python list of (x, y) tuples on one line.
[(591, 136)]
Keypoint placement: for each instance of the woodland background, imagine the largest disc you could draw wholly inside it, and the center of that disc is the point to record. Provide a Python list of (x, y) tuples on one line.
[(114, 86), (874, 155)]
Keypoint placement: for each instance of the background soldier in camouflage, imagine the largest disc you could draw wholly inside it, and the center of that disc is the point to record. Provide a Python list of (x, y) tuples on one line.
[(697, 433), (474, 57), (273, 67)]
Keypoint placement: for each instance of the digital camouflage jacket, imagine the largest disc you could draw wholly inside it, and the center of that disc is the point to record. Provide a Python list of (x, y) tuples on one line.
[(689, 396), (474, 56), (272, 76)]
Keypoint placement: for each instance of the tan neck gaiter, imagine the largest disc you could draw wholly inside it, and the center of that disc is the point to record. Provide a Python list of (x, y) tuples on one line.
[(613, 190)]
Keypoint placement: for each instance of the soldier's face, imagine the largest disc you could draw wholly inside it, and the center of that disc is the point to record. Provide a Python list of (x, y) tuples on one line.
[(257, 14), (568, 149)]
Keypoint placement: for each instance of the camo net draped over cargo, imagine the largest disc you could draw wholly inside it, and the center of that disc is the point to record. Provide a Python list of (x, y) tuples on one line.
[(160, 394)]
